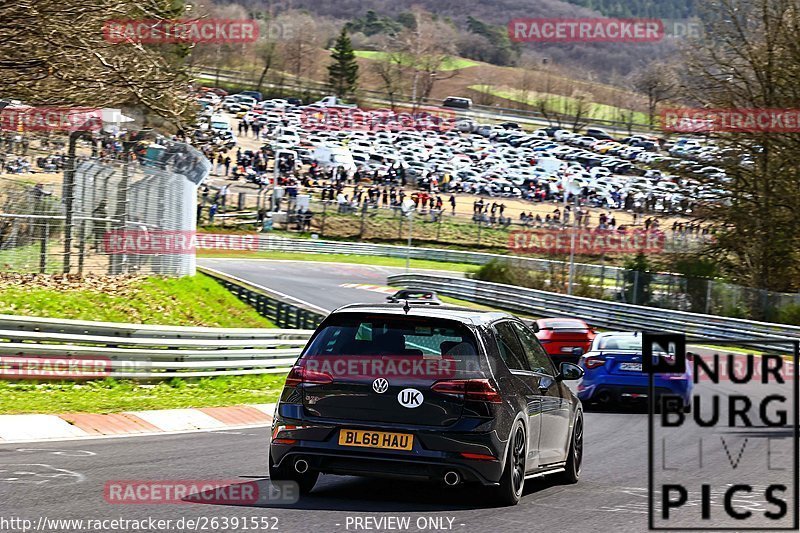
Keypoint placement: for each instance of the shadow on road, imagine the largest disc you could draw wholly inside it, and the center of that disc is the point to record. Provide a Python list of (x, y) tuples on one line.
[(357, 494)]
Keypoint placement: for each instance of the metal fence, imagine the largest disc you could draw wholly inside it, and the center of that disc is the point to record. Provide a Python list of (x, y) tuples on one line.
[(42, 348), (112, 215), (383, 223), (598, 313), (283, 311)]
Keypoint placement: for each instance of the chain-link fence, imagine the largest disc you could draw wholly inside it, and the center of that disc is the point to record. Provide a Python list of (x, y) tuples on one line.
[(134, 213)]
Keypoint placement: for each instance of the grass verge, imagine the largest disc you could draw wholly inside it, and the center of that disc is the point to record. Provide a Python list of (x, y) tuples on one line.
[(339, 258), (188, 301), (563, 104), (450, 63), (110, 396)]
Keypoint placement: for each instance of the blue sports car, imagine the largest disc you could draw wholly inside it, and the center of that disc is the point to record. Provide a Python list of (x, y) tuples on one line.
[(614, 375)]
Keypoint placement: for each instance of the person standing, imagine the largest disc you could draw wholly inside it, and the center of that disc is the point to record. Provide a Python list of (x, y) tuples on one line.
[(453, 203)]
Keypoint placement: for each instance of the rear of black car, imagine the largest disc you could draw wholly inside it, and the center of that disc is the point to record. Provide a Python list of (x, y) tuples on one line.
[(391, 394)]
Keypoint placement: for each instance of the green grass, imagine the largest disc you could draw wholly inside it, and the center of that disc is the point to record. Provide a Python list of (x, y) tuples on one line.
[(111, 396), (187, 301), (557, 103), (450, 63), (27, 258), (341, 258)]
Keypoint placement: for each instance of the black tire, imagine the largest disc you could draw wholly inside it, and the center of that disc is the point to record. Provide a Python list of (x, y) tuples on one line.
[(306, 481), (572, 468), (512, 483)]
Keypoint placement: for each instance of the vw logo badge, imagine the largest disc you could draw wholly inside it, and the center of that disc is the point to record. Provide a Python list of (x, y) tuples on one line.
[(380, 385)]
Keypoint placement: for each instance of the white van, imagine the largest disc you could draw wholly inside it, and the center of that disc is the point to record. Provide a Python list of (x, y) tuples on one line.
[(328, 156), (550, 165)]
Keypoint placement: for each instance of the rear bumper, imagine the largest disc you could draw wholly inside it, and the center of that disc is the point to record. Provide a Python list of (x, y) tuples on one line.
[(435, 451), (369, 463), (617, 389)]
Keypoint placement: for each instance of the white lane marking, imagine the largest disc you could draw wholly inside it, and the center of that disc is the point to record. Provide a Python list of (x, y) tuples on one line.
[(66, 453), (369, 287), (134, 435), (32, 427), (38, 474), (267, 289)]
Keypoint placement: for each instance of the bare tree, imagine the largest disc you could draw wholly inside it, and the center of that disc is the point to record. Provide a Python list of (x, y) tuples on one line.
[(578, 106), (390, 69), (426, 49), (750, 58), (301, 44), (54, 52), (658, 82)]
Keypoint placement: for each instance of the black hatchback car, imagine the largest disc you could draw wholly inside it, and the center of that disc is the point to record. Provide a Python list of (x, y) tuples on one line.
[(440, 393)]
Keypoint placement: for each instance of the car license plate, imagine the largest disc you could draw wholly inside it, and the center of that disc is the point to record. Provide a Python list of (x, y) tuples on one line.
[(376, 439), (635, 367), (567, 349)]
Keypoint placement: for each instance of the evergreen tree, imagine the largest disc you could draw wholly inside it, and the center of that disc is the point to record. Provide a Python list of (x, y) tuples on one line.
[(343, 72)]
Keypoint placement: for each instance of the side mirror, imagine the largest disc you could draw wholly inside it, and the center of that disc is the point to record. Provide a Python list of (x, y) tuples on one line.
[(535, 327), (577, 352), (569, 372)]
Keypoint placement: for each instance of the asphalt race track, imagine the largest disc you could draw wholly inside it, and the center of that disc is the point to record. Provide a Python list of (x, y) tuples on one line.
[(66, 480), (313, 282)]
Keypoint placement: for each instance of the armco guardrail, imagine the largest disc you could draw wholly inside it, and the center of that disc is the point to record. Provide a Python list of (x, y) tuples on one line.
[(283, 310), (601, 313), (116, 329), (44, 348)]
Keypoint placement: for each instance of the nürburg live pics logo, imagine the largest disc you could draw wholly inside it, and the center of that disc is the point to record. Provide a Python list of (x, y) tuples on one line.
[(729, 460)]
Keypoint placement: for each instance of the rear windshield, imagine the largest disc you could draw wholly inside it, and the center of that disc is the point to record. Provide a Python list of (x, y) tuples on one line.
[(393, 335), (444, 347), (620, 343)]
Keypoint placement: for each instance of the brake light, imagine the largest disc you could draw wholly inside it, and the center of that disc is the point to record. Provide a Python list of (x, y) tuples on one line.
[(478, 456), (594, 362), (480, 390), (301, 374)]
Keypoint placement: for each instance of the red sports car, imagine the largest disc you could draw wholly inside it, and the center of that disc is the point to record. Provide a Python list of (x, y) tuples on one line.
[(560, 337)]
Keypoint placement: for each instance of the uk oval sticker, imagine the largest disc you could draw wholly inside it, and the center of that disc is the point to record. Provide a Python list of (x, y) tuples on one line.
[(410, 398)]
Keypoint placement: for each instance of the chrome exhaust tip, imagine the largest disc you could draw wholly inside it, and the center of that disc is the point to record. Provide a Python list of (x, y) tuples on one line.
[(301, 466), (452, 478)]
